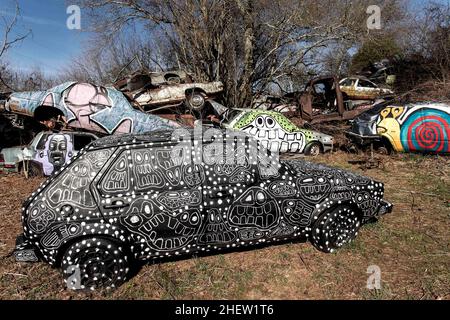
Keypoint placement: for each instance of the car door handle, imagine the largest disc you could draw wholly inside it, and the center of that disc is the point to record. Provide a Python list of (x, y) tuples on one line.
[(220, 195), (116, 204)]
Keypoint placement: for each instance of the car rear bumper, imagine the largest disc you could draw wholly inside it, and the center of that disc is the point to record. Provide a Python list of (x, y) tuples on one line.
[(25, 251)]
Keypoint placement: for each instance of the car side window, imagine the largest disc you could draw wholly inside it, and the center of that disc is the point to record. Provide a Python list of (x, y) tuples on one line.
[(41, 144), (80, 141), (158, 168), (348, 83), (118, 178), (366, 84)]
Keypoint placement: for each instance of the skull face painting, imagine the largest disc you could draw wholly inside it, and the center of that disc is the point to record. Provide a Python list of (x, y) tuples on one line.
[(57, 151)]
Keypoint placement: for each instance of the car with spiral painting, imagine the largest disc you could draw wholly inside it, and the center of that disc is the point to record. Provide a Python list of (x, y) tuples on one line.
[(277, 133), (414, 127), (128, 198)]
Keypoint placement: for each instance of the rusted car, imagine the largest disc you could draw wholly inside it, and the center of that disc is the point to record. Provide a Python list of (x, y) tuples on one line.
[(358, 88), (323, 101)]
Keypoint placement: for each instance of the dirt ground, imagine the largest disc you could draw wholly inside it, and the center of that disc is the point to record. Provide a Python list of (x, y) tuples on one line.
[(410, 246)]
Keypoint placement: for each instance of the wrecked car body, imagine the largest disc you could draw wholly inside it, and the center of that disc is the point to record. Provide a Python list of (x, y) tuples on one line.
[(86, 106), (155, 92), (83, 219), (277, 133), (284, 104), (140, 79), (358, 88), (417, 127), (323, 101)]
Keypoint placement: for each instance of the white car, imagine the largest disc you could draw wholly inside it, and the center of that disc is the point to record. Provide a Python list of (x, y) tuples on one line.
[(354, 88), (45, 153)]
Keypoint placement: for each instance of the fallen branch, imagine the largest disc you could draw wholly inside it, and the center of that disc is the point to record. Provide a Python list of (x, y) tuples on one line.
[(16, 274)]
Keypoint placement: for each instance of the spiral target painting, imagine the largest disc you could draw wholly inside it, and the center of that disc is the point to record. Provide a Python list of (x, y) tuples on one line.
[(426, 130)]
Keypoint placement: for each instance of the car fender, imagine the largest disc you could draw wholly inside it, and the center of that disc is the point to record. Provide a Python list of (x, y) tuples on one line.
[(63, 236)]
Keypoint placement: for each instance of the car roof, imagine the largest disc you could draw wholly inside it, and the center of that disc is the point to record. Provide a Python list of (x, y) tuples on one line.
[(154, 136), (68, 132)]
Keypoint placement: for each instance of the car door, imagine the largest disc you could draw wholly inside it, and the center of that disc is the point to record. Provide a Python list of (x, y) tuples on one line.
[(418, 131), (157, 198), (367, 89), (231, 193)]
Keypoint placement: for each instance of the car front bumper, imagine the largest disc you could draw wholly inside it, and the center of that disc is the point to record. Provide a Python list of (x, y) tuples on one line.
[(25, 251), (384, 208), (361, 139)]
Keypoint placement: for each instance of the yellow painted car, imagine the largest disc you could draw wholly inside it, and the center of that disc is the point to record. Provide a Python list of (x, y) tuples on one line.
[(361, 89)]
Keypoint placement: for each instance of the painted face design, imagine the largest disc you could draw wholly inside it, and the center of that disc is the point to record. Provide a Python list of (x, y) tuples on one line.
[(341, 189), (366, 202), (282, 189), (194, 175), (179, 199), (57, 151), (216, 230), (389, 126), (255, 208), (167, 232), (274, 136), (313, 188), (297, 212)]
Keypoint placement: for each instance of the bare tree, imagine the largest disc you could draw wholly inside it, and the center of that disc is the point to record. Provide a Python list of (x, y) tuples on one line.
[(9, 41), (249, 45)]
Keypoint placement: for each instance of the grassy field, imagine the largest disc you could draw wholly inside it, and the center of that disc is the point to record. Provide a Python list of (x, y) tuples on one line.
[(411, 246)]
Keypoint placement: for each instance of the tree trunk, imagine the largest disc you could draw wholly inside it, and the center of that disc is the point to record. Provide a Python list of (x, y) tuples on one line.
[(246, 8)]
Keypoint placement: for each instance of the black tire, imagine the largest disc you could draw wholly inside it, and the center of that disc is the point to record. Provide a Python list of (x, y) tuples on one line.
[(335, 228), (383, 150), (313, 149), (195, 101), (94, 263)]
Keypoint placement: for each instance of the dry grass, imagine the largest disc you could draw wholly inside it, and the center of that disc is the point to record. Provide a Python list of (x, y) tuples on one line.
[(411, 246)]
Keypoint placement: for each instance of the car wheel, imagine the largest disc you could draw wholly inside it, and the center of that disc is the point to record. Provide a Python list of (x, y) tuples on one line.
[(195, 101), (94, 263), (335, 228), (383, 151), (313, 149)]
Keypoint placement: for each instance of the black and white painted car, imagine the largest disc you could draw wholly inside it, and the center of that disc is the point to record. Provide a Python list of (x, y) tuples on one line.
[(157, 195)]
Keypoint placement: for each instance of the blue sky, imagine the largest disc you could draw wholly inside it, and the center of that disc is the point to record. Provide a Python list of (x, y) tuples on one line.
[(52, 44)]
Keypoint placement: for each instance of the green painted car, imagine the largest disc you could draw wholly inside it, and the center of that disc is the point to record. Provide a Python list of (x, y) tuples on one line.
[(277, 133)]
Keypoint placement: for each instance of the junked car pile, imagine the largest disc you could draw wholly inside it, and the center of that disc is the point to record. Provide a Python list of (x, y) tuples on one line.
[(153, 188)]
